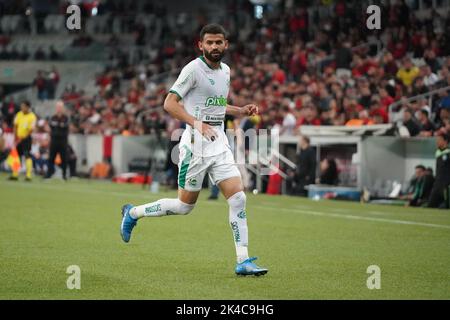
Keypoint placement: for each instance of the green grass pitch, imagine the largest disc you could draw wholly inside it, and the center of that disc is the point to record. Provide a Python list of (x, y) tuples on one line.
[(314, 250)]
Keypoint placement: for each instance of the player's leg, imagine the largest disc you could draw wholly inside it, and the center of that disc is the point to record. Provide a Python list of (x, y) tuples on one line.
[(62, 150), (232, 190), (225, 174), (51, 160), (436, 197), (191, 174), (28, 160), (177, 206), (163, 207), (190, 177)]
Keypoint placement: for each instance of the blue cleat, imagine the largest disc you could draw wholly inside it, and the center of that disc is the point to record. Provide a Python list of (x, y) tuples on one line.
[(248, 268), (128, 223)]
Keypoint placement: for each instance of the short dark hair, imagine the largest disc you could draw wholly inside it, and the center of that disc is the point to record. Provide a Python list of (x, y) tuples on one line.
[(424, 112), (306, 139), (27, 103), (213, 28), (421, 167), (445, 136)]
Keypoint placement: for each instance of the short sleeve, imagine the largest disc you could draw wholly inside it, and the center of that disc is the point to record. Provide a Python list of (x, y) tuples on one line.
[(16, 119), (185, 82)]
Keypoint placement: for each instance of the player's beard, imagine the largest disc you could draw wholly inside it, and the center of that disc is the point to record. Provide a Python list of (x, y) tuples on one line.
[(212, 56)]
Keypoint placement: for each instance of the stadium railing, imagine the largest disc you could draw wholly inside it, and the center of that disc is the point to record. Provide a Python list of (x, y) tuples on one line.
[(396, 116)]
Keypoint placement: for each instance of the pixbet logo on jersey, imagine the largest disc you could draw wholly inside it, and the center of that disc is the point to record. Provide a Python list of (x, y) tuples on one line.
[(216, 102)]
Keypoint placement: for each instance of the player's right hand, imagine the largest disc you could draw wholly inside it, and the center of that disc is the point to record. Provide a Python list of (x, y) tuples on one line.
[(206, 130)]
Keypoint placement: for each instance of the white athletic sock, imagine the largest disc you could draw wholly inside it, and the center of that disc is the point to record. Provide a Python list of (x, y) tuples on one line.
[(160, 208), (238, 223)]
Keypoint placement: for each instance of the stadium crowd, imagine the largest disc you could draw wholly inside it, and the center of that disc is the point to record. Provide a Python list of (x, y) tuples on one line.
[(335, 73), (296, 75)]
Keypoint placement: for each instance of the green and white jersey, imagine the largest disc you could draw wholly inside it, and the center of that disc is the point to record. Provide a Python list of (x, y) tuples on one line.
[(204, 92)]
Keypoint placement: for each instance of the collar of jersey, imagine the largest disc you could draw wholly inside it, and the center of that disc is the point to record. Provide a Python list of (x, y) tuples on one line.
[(204, 60)]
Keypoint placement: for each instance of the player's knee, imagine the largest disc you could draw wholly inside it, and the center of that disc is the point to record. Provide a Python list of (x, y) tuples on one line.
[(238, 200), (184, 208)]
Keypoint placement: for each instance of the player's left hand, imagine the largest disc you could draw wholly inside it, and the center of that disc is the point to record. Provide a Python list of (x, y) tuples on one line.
[(249, 110)]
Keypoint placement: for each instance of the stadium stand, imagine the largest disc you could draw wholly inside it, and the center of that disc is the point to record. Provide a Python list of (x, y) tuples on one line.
[(304, 63)]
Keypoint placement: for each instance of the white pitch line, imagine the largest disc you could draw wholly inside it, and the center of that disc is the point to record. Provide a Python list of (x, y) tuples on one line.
[(348, 216), (308, 212)]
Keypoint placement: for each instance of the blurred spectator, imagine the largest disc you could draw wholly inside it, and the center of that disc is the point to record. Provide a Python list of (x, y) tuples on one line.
[(440, 194), (306, 166), (344, 57), (54, 55), (426, 126), (40, 54), (52, 82), (101, 170), (40, 84), (59, 126), (410, 122), (422, 187), (429, 77), (328, 172), (40, 147), (289, 122), (9, 110), (24, 54), (408, 72)]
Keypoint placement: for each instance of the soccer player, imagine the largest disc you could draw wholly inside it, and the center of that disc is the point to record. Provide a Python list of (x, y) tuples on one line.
[(24, 124), (203, 85)]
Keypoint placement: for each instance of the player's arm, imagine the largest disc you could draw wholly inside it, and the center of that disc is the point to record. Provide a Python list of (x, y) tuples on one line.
[(175, 109), (247, 110), (15, 129)]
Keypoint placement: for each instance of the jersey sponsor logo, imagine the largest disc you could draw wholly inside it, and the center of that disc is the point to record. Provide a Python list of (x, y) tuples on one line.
[(154, 208), (213, 118), (216, 101)]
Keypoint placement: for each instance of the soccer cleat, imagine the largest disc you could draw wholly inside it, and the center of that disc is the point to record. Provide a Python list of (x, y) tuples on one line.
[(11, 178), (248, 268), (128, 223)]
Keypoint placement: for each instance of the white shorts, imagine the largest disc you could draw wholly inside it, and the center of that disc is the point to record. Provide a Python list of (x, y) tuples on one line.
[(192, 169)]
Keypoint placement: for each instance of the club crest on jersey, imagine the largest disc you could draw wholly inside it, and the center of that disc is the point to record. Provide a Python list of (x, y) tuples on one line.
[(216, 102), (211, 81)]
